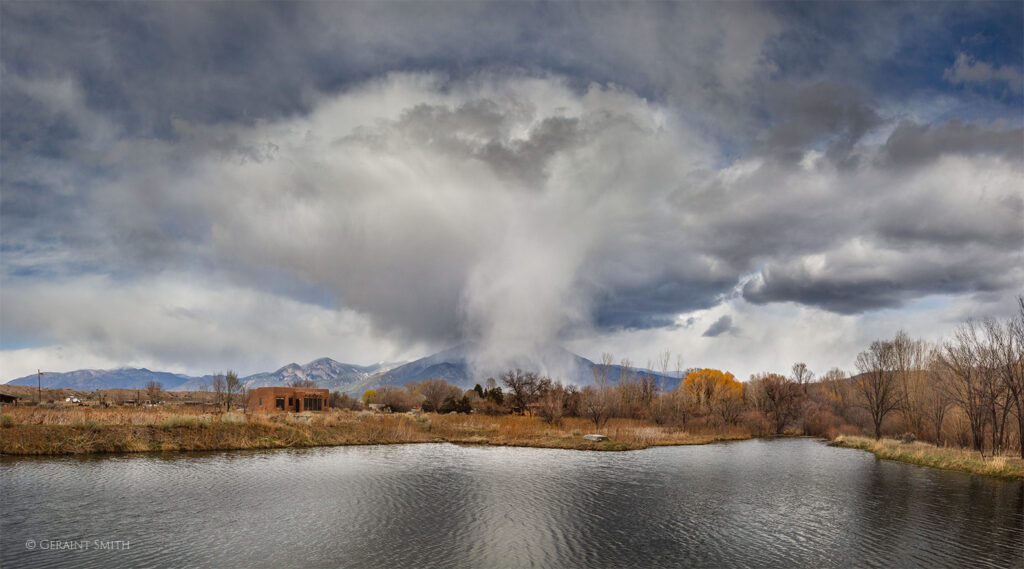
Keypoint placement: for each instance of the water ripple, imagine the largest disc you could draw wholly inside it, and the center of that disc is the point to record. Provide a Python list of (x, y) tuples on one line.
[(788, 503)]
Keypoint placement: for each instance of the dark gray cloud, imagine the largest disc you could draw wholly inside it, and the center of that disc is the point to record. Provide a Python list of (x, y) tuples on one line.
[(967, 70), (719, 327), (912, 144), (830, 115)]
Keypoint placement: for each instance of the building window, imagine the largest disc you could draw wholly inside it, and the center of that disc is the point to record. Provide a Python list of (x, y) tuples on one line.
[(261, 402), (313, 404), (279, 403)]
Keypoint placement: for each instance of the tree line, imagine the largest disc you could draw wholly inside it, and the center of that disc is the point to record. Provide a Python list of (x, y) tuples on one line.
[(966, 390)]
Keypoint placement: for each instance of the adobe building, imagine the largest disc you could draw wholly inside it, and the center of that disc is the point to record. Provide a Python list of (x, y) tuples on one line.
[(293, 399)]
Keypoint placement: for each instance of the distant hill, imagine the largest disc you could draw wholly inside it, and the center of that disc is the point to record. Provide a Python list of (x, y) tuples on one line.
[(458, 365), (327, 373), (91, 379)]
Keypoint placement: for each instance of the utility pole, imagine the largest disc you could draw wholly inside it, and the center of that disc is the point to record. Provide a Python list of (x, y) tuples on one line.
[(39, 387)]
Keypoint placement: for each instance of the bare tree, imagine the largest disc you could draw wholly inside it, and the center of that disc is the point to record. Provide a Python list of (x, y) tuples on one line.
[(339, 400), (908, 366), (998, 399), (877, 384), (232, 386), (524, 388), (779, 398), (730, 404), (434, 391), (153, 389), (596, 400), (552, 403), (219, 387), (396, 398), (935, 399), (802, 375), (628, 391), (119, 396), (663, 409), (1008, 344), (595, 405), (835, 387), (963, 358), (680, 397), (664, 361), (601, 370)]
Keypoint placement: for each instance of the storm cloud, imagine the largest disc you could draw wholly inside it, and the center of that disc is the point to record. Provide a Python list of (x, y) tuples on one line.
[(719, 327), (415, 176)]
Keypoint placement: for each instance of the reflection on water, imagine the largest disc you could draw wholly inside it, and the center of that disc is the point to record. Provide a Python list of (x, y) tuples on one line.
[(785, 503)]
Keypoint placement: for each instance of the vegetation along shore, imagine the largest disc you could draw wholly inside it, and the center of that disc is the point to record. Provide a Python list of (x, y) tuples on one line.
[(84, 430), (40, 431)]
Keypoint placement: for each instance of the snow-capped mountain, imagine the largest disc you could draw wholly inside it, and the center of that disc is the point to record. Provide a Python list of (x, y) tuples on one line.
[(462, 365)]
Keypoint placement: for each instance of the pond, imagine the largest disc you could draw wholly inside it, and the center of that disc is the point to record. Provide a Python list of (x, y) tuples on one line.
[(759, 503)]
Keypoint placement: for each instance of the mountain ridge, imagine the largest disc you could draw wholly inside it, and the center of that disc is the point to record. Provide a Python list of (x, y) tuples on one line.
[(460, 365)]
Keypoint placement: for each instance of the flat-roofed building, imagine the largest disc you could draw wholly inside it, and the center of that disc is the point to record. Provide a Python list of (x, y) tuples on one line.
[(294, 399)]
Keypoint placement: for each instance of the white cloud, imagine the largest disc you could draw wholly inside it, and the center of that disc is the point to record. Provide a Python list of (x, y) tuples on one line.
[(176, 322), (775, 336)]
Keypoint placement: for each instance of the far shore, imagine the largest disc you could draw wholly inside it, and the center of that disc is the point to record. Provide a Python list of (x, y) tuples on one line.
[(75, 431), (29, 431)]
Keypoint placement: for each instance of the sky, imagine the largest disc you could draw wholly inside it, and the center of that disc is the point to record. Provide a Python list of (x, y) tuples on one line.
[(193, 187)]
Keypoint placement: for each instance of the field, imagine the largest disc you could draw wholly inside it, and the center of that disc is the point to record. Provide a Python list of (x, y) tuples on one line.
[(83, 430)]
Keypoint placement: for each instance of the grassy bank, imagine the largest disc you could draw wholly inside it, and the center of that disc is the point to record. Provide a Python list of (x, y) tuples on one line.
[(40, 431), (924, 454)]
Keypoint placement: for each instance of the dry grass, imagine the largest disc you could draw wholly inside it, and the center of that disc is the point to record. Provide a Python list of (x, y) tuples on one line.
[(925, 454), (80, 430)]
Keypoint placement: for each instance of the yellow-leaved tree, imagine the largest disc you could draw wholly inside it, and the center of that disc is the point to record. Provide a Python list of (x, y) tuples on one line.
[(713, 391), (368, 396)]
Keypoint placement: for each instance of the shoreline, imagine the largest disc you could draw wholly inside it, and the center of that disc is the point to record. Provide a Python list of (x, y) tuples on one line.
[(578, 445), (931, 456), (234, 431), (90, 432), (606, 446)]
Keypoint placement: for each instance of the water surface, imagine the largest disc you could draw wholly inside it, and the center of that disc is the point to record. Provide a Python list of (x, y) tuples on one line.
[(783, 503)]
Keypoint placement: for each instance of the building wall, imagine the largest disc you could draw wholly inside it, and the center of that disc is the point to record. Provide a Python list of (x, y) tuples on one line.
[(295, 399)]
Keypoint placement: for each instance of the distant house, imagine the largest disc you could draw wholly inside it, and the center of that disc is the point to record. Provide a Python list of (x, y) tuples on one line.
[(8, 399), (293, 399)]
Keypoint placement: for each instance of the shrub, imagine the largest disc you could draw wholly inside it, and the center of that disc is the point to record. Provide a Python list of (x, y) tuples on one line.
[(845, 430), (175, 421), (820, 421), (757, 423), (88, 425), (232, 418), (491, 407), (399, 399), (344, 401)]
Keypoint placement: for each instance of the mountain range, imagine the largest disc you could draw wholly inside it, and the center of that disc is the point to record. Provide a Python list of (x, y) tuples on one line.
[(460, 365)]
